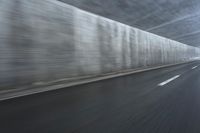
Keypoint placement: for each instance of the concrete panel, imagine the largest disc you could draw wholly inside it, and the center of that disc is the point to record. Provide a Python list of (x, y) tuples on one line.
[(44, 41)]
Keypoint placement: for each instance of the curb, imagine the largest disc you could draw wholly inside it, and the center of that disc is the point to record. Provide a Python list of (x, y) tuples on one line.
[(10, 94)]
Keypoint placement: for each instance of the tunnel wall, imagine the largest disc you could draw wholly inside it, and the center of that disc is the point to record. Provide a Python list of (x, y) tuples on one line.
[(46, 40)]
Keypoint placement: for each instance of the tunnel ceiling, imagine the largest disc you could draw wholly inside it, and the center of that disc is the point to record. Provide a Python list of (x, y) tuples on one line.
[(175, 19)]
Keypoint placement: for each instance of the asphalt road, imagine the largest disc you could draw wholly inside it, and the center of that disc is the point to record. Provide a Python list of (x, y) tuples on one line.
[(159, 101)]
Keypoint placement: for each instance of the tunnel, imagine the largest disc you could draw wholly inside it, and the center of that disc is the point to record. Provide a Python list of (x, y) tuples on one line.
[(99, 66)]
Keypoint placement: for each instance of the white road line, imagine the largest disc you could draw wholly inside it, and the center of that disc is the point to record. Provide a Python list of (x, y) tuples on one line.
[(169, 80), (194, 67)]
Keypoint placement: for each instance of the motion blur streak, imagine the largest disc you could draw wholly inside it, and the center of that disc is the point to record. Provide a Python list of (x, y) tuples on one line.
[(129, 104), (47, 43), (44, 41)]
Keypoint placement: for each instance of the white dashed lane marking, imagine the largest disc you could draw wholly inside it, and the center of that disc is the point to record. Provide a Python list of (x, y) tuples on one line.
[(194, 67), (169, 80)]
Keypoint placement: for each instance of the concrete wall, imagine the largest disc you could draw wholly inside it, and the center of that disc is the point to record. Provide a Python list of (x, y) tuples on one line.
[(45, 40)]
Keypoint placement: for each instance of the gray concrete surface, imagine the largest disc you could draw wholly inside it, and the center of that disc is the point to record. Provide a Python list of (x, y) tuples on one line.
[(43, 41), (174, 19), (129, 104)]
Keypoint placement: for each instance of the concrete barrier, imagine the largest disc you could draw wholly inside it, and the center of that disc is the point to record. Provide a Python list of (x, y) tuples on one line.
[(44, 41)]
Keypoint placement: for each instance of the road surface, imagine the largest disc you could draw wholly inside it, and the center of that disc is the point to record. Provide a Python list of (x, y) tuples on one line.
[(165, 100)]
